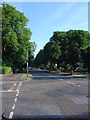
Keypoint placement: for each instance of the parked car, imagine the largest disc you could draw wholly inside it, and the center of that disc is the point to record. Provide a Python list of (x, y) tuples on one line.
[(79, 69)]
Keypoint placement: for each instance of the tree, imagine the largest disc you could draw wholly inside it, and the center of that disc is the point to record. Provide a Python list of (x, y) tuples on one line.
[(15, 37), (39, 58), (78, 40), (50, 54), (86, 58), (71, 42)]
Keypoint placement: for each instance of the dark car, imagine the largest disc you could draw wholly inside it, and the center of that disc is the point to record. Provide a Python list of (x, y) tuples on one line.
[(79, 69)]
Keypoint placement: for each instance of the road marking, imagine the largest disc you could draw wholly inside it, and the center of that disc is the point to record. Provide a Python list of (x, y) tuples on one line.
[(18, 88), (20, 83), (17, 94), (11, 115), (9, 90), (15, 84), (15, 99), (13, 107), (60, 79), (73, 84), (17, 91), (12, 87)]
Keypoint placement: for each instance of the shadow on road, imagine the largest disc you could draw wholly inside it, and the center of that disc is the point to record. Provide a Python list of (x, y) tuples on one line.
[(78, 117)]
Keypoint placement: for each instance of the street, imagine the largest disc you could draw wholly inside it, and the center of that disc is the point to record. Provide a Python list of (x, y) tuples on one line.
[(44, 95)]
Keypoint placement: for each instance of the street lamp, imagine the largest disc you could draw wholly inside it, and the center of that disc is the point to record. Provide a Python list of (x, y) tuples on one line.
[(27, 62)]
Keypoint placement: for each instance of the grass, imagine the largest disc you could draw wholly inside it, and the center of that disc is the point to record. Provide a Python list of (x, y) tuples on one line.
[(24, 76)]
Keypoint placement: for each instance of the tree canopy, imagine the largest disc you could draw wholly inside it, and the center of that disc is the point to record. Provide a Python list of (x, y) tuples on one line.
[(15, 37), (70, 48)]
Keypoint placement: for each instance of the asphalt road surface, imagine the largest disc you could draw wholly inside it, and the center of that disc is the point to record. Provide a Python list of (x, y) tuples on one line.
[(44, 95)]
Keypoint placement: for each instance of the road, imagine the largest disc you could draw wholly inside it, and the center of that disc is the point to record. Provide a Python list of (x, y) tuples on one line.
[(45, 95)]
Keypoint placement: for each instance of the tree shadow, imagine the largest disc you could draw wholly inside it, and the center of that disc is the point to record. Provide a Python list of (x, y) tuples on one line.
[(83, 116)]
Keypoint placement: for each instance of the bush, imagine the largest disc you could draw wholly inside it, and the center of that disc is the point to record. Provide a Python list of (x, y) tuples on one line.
[(5, 69), (68, 67), (61, 69), (0, 69)]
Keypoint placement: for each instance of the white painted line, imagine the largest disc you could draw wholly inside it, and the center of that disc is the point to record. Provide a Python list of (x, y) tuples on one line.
[(15, 84), (11, 115), (15, 99), (20, 83), (13, 107), (18, 88), (9, 90), (60, 79), (73, 84), (16, 94), (17, 91)]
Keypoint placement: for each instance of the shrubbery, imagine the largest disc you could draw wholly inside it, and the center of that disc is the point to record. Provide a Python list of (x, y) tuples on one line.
[(61, 69), (5, 69)]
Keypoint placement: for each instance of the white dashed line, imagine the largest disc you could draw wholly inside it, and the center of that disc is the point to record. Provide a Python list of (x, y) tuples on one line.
[(15, 84), (11, 115), (20, 83), (15, 99), (18, 88), (17, 94), (13, 107), (17, 91)]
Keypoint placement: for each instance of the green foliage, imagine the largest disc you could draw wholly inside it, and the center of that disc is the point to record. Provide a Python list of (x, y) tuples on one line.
[(68, 49), (15, 37), (5, 69), (61, 69), (39, 58), (68, 67)]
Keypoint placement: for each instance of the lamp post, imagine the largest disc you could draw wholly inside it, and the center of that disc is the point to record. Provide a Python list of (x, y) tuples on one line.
[(27, 62)]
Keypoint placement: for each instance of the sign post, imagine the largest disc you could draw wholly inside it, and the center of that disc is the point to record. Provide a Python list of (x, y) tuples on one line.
[(27, 62)]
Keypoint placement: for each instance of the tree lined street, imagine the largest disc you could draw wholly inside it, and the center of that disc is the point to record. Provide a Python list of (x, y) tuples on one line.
[(45, 95), (54, 83)]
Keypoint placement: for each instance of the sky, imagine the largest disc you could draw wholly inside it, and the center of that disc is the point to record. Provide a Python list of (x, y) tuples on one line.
[(47, 17)]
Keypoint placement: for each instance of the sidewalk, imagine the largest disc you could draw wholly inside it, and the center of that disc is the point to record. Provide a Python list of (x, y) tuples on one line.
[(68, 74)]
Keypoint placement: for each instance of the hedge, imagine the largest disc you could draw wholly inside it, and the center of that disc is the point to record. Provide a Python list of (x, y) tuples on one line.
[(5, 69)]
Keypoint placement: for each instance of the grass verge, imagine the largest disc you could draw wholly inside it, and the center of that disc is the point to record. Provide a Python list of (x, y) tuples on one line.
[(24, 76)]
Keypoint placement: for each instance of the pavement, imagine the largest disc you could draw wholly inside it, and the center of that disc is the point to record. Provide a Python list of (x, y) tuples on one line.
[(45, 95)]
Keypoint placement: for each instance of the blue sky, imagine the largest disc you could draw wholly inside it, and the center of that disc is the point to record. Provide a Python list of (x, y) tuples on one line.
[(45, 18)]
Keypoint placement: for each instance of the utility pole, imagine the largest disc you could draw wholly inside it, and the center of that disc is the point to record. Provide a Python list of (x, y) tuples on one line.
[(27, 62)]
